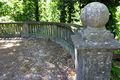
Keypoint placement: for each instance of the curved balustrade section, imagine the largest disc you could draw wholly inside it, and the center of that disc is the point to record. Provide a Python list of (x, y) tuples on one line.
[(9, 30), (57, 32)]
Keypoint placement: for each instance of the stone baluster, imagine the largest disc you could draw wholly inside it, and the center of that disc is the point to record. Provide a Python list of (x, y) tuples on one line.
[(94, 44)]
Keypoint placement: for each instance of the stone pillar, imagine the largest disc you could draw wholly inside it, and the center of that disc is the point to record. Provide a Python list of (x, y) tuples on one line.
[(94, 44), (25, 33)]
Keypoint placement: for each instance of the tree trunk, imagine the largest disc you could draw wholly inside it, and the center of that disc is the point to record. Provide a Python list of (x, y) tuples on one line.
[(36, 10)]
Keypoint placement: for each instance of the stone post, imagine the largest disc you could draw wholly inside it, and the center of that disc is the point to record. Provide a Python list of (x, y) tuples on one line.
[(94, 44), (25, 30)]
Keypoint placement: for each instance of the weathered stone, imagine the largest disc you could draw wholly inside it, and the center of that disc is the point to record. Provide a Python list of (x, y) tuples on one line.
[(25, 30), (95, 15), (94, 44)]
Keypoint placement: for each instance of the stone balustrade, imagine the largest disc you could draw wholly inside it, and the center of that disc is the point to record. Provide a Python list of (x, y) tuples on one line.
[(91, 47), (57, 32)]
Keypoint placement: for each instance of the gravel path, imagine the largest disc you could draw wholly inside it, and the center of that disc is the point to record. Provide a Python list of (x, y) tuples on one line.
[(29, 59)]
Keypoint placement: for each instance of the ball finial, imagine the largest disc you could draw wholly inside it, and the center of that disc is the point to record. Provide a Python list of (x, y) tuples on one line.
[(95, 15)]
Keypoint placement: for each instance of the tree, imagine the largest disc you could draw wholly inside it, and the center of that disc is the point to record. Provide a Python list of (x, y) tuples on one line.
[(36, 2)]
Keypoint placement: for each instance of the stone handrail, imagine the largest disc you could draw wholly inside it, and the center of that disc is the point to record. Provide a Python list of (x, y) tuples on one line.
[(58, 32)]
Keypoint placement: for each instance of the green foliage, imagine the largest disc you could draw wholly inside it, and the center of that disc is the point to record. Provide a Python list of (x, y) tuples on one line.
[(113, 24), (117, 52), (5, 10), (69, 11), (27, 13), (54, 12), (62, 7), (115, 72), (10, 8), (5, 19), (48, 11), (117, 22)]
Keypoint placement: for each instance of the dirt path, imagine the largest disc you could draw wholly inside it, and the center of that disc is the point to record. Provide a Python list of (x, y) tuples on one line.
[(29, 59)]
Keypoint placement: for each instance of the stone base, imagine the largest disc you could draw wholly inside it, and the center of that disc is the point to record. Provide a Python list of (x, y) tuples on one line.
[(93, 65)]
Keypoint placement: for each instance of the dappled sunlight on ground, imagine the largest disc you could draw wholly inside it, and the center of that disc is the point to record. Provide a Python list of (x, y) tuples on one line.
[(30, 59), (9, 43)]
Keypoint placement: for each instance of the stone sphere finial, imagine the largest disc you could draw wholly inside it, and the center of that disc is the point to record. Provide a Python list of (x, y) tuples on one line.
[(95, 15)]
